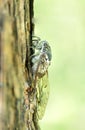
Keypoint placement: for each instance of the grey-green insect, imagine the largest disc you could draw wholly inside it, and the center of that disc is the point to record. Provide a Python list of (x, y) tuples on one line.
[(41, 60)]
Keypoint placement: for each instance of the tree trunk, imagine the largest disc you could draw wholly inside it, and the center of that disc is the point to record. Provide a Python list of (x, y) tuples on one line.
[(16, 29)]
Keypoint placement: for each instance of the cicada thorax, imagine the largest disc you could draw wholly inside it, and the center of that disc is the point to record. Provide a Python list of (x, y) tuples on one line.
[(40, 62), (42, 56)]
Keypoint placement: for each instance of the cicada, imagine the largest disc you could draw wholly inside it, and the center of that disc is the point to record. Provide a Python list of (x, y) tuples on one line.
[(41, 60)]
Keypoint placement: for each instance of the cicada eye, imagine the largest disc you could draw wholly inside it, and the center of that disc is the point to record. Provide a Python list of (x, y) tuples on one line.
[(35, 41)]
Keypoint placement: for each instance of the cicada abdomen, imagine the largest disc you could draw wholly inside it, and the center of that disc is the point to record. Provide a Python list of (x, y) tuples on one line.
[(41, 60)]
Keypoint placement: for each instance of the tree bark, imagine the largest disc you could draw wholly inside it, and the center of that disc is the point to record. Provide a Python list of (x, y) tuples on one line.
[(16, 29)]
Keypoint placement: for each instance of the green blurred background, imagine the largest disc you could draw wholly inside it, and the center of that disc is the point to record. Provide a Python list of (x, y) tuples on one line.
[(62, 23)]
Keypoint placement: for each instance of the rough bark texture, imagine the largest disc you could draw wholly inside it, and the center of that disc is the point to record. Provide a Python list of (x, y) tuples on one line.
[(16, 30)]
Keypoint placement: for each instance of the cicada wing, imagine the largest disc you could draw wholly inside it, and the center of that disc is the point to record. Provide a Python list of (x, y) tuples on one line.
[(43, 90)]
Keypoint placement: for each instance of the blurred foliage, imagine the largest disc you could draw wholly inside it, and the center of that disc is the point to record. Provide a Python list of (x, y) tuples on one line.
[(62, 24)]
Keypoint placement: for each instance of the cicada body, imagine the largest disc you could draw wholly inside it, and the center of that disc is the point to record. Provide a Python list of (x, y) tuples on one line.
[(41, 60)]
